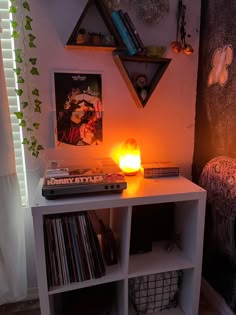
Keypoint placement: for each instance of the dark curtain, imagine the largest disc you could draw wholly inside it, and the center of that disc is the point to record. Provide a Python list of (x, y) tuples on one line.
[(215, 131), (215, 126)]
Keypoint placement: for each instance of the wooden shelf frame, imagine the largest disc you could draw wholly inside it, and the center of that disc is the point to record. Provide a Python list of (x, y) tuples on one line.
[(105, 14), (121, 60)]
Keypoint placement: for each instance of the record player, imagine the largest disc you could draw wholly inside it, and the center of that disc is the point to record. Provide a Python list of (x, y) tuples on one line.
[(65, 178)]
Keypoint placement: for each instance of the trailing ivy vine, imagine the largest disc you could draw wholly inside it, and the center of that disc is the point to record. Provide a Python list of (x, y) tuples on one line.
[(26, 69)]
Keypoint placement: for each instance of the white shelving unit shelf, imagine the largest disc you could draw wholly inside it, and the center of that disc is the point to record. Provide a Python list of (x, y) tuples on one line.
[(189, 200)]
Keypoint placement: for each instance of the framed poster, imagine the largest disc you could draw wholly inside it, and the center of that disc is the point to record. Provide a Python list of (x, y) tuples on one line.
[(79, 109)]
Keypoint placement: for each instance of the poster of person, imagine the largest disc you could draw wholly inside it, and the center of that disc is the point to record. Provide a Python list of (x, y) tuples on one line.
[(79, 109)]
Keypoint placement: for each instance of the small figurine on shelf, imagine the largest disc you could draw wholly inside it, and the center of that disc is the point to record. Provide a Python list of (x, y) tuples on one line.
[(108, 40), (140, 83), (82, 37), (96, 38)]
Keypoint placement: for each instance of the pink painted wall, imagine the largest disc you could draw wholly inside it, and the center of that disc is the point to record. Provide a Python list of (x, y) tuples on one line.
[(165, 127)]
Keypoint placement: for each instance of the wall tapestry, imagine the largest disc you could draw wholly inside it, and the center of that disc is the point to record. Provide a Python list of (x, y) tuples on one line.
[(215, 132), (79, 110), (151, 11)]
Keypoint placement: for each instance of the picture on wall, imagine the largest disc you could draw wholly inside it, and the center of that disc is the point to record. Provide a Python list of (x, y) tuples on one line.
[(78, 108)]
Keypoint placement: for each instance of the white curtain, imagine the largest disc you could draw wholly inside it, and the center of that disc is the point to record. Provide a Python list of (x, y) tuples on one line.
[(13, 284)]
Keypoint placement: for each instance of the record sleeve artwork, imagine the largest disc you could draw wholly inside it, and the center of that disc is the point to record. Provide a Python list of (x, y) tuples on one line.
[(79, 109)]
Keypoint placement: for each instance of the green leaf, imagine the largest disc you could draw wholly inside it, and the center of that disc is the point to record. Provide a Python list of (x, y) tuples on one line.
[(33, 61), (31, 37), (28, 26), (25, 141), (36, 125), (22, 123), (18, 54), (13, 9), (37, 109), (18, 59), (19, 115), (12, 1), (19, 92), (32, 45), (20, 80), (15, 34), (28, 19), (34, 142), (34, 71), (29, 129), (14, 24), (40, 147), (25, 104), (35, 153), (17, 71), (26, 5), (37, 102), (35, 92)]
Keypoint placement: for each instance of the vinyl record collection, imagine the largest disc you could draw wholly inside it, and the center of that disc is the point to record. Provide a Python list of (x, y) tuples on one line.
[(72, 249)]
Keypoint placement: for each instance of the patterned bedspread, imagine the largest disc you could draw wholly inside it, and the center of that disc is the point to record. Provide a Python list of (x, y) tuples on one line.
[(218, 177)]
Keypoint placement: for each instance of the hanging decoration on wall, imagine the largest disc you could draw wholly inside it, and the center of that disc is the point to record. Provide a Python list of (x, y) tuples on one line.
[(181, 44), (221, 59), (26, 71), (151, 11)]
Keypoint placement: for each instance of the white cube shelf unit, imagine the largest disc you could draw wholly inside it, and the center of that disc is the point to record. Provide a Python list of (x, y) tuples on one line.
[(189, 215)]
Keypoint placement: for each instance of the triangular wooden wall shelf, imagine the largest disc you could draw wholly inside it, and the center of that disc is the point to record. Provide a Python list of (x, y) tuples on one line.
[(89, 20), (123, 61)]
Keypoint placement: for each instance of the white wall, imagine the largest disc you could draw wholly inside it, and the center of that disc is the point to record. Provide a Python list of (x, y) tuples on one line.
[(164, 129)]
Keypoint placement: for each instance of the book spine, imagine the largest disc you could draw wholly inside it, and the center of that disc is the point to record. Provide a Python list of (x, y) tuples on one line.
[(48, 254), (58, 257), (92, 253), (78, 241), (65, 256), (149, 173), (75, 247), (124, 33), (55, 265), (96, 247), (135, 32), (86, 246), (130, 31), (61, 253), (69, 248), (87, 274)]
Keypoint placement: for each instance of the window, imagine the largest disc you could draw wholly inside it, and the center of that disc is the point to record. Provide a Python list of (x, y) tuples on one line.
[(9, 64)]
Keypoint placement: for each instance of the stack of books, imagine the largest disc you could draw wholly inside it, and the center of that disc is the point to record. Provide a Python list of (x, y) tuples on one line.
[(128, 32), (159, 169), (72, 249)]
